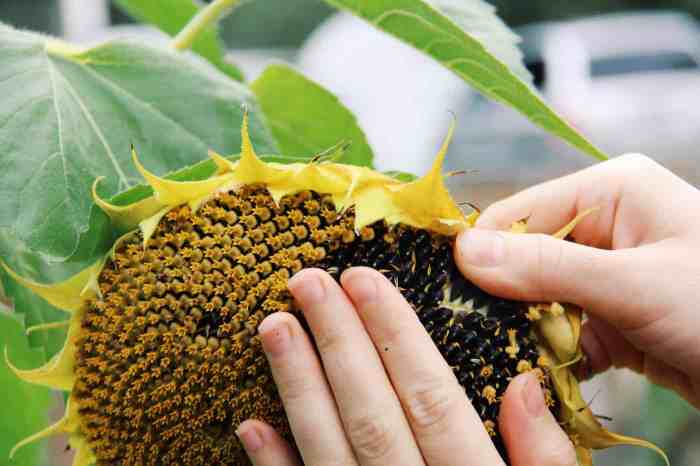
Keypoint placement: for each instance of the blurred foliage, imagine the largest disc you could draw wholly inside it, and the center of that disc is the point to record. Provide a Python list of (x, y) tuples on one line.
[(286, 23), (278, 22), (37, 15), (24, 406), (663, 417), (207, 44), (516, 13)]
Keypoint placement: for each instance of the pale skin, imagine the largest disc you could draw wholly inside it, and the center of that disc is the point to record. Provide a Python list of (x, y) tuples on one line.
[(380, 393)]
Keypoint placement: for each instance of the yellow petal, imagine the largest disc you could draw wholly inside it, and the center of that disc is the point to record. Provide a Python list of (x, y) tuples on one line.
[(584, 456), (250, 169), (564, 232), (223, 165), (578, 419), (519, 227), (374, 203), (427, 198), (58, 372), (68, 295), (126, 217), (149, 225), (55, 429), (83, 453), (561, 333), (472, 218), (172, 193), (68, 424)]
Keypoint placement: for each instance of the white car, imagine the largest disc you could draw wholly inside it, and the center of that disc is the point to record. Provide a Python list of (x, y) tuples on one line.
[(630, 82)]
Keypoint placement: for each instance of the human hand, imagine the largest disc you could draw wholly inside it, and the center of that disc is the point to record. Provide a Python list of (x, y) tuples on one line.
[(381, 393), (635, 266)]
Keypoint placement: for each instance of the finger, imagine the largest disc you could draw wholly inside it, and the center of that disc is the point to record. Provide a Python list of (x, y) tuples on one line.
[(448, 430), (535, 267), (308, 401), (661, 373), (605, 346), (531, 433), (551, 205), (265, 447), (372, 416), (612, 187)]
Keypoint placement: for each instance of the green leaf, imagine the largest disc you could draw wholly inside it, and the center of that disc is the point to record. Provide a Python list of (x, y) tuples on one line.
[(468, 38), (70, 116), (171, 16), (33, 309), (401, 176), (307, 119), (24, 406)]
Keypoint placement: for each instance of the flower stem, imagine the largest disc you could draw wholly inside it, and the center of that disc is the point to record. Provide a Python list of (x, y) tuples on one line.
[(200, 22)]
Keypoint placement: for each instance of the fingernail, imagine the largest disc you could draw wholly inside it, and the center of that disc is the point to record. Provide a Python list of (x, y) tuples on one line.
[(482, 248), (306, 287), (250, 437), (275, 335), (533, 397), (361, 285)]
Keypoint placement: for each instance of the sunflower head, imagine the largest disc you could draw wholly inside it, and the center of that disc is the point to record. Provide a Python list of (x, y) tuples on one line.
[(162, 358)]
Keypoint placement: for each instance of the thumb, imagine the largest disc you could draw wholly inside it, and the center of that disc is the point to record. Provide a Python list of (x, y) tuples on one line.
[(530, 431), (535, 267)]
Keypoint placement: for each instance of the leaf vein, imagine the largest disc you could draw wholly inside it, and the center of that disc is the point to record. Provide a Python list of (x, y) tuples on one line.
[(123, 181), (145, 104)]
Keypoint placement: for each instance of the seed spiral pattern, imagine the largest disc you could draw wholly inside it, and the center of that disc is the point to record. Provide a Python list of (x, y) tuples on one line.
[(169, 362)]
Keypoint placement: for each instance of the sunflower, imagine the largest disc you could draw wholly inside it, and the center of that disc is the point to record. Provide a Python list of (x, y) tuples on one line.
[(162, 358)]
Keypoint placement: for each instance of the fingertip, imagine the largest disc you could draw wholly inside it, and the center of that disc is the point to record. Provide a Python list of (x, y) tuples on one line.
[(251, 433), (276, 332), (478, 253), (265, 446), (310, 286), (361, 284), (512, 407), (531, 433), (477, 248), (365, 285)]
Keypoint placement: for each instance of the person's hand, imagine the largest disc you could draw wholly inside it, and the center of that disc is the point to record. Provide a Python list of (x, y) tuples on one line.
[(635, 269), (381, 394)]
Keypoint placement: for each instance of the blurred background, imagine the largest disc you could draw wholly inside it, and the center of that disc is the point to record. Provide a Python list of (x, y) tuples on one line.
[(624, 72)]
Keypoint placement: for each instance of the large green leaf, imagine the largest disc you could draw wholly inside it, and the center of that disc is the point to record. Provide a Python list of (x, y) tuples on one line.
[(70, 116), (33, 309), (24, 406), (171, 16), (468, 38), (305, 118)]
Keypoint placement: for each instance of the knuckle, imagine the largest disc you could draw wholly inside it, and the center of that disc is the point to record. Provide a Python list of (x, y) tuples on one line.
[(370, 436), (428, 406)]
